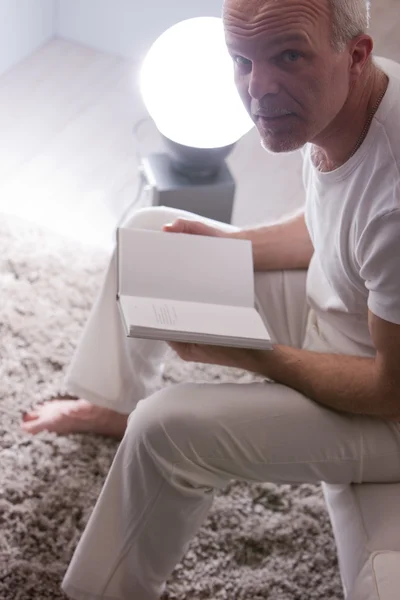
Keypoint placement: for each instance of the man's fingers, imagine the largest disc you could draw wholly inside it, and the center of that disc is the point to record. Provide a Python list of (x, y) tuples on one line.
[(192, 227), (179, 347), (178, 226), (184, 351)]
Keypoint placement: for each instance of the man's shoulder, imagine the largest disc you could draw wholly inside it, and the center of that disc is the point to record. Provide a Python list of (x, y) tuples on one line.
[(389, 66), (389, 112), (386, 131)]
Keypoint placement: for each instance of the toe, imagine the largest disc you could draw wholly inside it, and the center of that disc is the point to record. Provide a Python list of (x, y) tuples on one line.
[(33, 426), (29, 416)]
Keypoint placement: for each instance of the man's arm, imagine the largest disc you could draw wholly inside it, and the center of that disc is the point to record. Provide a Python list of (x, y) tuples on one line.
[(281, 246), (349, 384), (368, 386), (285, 245)]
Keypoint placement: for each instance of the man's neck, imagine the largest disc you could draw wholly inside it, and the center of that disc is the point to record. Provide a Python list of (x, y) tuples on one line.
[(337, 144)]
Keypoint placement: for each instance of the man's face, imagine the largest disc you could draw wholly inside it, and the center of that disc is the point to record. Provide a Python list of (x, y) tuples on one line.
[(291, 80)]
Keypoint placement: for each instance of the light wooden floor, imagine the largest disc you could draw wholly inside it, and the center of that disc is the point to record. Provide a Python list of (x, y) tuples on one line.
[(68, 157)]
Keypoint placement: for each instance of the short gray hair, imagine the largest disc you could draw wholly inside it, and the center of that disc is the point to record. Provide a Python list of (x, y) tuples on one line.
[(350, 18)]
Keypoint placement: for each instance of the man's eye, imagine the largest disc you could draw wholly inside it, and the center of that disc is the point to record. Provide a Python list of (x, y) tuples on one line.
[(291, 56), (241, 61)]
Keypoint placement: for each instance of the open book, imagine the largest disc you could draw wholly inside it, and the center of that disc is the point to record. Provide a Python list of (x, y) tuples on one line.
[(188, 288)]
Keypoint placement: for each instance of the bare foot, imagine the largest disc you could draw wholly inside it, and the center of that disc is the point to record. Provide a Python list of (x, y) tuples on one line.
[(64, 416)]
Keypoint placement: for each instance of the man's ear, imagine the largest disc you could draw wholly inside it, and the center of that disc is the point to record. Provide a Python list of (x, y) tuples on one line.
[(360, 51)]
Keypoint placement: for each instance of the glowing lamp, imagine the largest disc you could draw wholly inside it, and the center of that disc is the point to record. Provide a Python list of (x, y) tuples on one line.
[(187, 85)]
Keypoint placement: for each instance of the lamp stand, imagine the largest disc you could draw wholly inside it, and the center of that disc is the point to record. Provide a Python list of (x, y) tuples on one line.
[(208, 197)]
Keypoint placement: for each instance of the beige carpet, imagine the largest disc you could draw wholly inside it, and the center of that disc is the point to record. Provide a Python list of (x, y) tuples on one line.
[(260, 541)]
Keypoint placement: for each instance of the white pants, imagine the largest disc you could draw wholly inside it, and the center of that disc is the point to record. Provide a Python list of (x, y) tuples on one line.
[(186, 441)]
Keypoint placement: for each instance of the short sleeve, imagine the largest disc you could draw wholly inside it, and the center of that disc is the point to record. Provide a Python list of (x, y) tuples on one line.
[(378, 254)]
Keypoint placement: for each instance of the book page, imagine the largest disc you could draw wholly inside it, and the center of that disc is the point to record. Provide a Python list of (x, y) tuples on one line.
[(192, 268), (195, 317)]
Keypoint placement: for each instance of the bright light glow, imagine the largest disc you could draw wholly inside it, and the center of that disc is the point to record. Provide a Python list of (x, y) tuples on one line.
[(188, 88)]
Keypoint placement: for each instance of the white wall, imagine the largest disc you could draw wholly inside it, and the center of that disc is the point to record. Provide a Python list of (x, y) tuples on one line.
[(24, 26), (126, 27)]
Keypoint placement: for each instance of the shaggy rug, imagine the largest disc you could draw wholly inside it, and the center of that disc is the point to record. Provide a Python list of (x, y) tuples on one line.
[(259, 542)]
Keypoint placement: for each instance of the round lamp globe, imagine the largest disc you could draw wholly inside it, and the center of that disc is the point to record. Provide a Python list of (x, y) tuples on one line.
[(187, 85)]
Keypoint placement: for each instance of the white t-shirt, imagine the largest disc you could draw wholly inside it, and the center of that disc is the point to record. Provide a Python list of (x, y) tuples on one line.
[(353, 216)]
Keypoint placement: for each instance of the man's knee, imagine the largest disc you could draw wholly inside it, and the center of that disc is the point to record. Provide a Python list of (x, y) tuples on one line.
[(161, 420), (172, 426)]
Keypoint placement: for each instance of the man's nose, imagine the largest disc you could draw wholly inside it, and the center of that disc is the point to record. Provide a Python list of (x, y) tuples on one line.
[(263, 82)]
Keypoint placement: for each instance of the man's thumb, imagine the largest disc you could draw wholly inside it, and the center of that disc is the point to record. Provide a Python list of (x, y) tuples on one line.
[(183, 226)]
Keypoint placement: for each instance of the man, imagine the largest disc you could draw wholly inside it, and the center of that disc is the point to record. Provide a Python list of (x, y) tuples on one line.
[(305, 72)]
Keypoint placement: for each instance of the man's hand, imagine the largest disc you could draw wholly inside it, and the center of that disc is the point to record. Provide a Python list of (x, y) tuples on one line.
[(241, 358)]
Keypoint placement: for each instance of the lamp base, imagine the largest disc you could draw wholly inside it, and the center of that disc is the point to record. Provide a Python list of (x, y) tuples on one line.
[(211, 197)]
